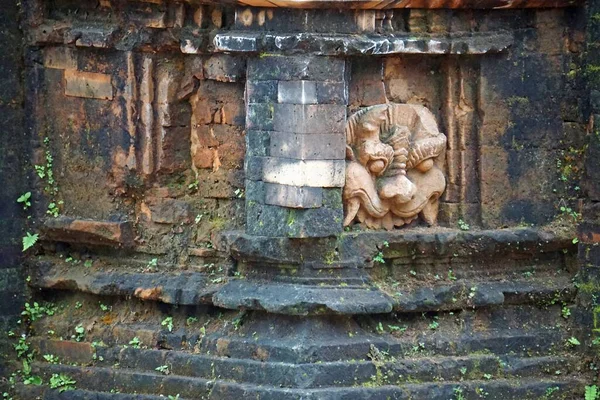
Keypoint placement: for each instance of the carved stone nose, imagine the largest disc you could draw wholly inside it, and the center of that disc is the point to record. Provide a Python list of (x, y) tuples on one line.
[(398, 187)]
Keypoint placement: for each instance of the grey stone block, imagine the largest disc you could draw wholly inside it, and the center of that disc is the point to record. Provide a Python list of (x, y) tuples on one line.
[(309, 118), (266, 220), (332, 197), (255, 192), (332, 93), (253, 168), (313, 173), (261, 91), (316, 222), (276, 221), (293, 196), (308, 147), (297, 92), (257, 143), (296, 68), (259, 116)]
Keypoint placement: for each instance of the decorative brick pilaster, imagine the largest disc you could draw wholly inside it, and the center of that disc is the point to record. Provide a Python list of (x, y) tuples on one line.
[(296, 114)]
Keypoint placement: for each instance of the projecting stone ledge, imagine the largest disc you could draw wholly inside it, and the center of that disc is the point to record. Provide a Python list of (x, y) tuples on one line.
[(294, 299), (70, 230), (184, 288), (339, 44)]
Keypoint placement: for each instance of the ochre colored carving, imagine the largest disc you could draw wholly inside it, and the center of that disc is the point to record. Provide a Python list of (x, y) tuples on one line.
[(393, 174)]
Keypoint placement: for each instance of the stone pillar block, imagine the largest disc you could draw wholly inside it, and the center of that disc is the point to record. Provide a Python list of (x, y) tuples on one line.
[(295, 156)]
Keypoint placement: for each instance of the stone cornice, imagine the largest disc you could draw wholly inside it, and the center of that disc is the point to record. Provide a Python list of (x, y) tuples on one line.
[(425, 4)]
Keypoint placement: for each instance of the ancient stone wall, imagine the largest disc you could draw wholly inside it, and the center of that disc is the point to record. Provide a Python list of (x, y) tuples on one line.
[(188, 166), (13, 173)]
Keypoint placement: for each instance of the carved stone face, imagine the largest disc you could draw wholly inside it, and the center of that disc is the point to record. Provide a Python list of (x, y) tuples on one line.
[(391, 172)]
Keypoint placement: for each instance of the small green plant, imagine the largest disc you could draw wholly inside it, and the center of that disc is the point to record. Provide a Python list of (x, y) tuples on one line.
[(24, 199), (472, 292), (32, 380), (135, 342), (434, 325), (487, 376), (53, 209), (51, 358), (190, 320), (238, 321), (22, 347), (104, 307), (463, 225), (79, 333), (168, 322), (458, 394), (78, 305), (380, 329), (29, 379), (36, 311), (569, 211), (62, 382), (591, 392), (379, 257), (164, 369), (550, 391), (396, 328), (572, 342), (194, 185), (451, 275), (176, 397), (29, 240), (88, 263), (151, 266), (566, 312)]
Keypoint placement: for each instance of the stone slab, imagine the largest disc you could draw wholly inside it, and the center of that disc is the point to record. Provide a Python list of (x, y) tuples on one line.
[(296, 68), (332, 93), (309, 118), (297, 92), (425, 4), (307, 147), (293, 196), (64, 229), (88, 84), (301, 300), (318, 44), (60, 57), (312, 173), (257, 143), (261, 91), (259, 116), (276, 221)]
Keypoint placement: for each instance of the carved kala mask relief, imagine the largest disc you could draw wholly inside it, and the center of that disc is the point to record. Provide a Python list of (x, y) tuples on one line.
[(393, 175)]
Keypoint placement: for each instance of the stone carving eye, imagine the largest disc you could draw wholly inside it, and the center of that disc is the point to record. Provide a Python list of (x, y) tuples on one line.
[(376, 166), (425, 166)]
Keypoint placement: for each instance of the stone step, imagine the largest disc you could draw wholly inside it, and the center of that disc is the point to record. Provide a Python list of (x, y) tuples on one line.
[(383, 297), (528, 330), (414, 367), (27, 392), (128, 381)]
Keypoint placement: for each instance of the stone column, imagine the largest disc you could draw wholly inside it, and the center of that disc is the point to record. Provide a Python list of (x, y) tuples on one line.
[(295, 119)]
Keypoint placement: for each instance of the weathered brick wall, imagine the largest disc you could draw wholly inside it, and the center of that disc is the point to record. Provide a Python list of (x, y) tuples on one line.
[(13, 174), (589, 230)]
